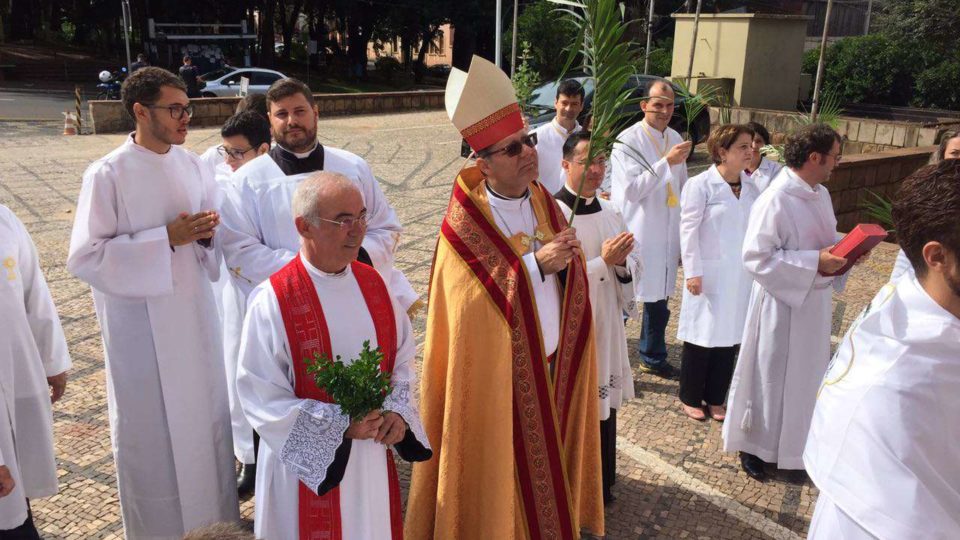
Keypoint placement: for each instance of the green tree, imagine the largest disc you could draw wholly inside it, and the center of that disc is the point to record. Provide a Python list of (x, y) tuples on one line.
[(548, 34), (865, 69)]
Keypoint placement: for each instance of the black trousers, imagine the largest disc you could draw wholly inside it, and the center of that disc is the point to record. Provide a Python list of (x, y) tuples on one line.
[(27, 531), (705, 374), (608, 453)]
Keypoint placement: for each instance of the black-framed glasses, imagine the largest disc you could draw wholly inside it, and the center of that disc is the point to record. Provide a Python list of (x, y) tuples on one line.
[(513, 149), (176, 111), (599, 160), (347, 224), (233, 153)]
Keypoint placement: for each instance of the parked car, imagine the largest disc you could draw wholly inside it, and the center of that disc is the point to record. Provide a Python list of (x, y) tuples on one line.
[(225, 82), (541, 108)]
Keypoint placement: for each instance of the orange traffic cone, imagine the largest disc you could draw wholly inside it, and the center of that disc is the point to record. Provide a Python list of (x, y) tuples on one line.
[(69, 124)]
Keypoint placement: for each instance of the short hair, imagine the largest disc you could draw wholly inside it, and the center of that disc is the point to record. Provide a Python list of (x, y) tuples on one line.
[(817, 138), (284, 88), (925, 209), (724, 137), (571, 88), (144, 86), (660, 83), (306, 198), (220, 531), (947, 136), (251, 124), (254, 102), (574, 140), (759, 129)]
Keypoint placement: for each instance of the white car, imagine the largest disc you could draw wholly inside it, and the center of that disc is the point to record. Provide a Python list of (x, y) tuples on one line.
[(225, 82)]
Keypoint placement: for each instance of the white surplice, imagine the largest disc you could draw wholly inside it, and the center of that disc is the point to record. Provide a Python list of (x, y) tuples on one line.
[(299, 437), (216, 164), (884, 444), (713, 222), (642, 197), (611, 295), (514, 216), (901, 267), (32, 348), (263, 237), (166, 388), (550, 139), (765, 173), (786, 336)]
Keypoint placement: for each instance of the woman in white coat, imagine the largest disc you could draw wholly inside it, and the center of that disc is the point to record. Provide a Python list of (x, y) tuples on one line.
[(761, 170), (714, 210)]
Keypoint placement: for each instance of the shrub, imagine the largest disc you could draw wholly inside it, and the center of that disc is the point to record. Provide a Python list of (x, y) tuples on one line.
[(866, 69), (937, 86), (661, 59)]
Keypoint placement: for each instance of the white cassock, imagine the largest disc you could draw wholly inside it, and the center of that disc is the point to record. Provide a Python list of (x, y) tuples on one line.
[(515, 216), (263, 237), (32, 348), (786, 337), (166, 391), (288, 425), (884, 444), (901, 267), (713, 222), (611, 295), (215, 163), (550, 139), (765, 173), (650, 203), (231, 306)]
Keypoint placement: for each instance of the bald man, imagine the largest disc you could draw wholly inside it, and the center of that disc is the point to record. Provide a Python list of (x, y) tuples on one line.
[(326, 302), (649, 170)]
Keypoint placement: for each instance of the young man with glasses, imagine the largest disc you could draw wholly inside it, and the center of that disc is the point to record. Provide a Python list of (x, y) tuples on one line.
[(245, 135), (509, 370), (144, 239), (265, 238), (786, 337), (612, 265)]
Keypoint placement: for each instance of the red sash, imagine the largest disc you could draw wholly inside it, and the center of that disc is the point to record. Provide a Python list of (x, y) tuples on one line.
[(307, 334)]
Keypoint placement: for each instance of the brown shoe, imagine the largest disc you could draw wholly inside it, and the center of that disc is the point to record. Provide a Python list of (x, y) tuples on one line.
[(693, 412), (717, 412)]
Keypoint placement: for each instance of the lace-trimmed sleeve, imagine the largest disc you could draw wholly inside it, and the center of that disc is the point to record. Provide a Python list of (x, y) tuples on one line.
[(401, 402), (313, 443)]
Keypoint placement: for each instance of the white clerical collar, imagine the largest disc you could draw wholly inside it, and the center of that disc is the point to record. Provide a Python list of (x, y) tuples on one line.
[(299, 154), (507, 203), (586, 200), (320, 274)]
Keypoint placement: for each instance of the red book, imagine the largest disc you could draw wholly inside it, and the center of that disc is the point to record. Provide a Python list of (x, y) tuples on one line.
[(860, 240)]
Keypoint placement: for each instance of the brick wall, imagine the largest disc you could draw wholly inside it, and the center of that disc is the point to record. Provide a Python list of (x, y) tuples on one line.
[(110, 117), (880, 172), (861, 135)]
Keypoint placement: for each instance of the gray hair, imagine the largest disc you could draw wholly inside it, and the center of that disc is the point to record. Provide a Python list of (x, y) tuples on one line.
[(313, 190)]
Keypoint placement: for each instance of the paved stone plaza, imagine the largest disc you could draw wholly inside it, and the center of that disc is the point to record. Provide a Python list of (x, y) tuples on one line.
[(674, 481)]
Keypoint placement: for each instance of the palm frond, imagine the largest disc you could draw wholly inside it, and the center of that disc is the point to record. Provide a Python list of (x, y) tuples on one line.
[(773, 152), (695, 103), (610, 60), (829, 111), (879, 209)]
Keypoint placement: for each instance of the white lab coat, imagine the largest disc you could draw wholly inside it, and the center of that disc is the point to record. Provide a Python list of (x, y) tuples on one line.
[(166, 387), (786, 337), (884, 444), (642, 198), (713, 222), (32, 348), (765, 173), (550, 139)]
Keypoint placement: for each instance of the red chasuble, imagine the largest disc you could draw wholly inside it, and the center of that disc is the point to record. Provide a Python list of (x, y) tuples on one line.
[(308, 334)]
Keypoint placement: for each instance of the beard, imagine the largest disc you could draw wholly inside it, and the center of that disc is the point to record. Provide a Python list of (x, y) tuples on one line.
[(295, 143), (952, 279)]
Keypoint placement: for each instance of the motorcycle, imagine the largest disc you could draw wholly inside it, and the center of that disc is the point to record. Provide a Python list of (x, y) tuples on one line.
[(109, 87)]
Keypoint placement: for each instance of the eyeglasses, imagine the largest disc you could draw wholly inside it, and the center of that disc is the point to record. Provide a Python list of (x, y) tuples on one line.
[(513, 149), (837, 157), (235, 154), (176, 111), (347, 224)]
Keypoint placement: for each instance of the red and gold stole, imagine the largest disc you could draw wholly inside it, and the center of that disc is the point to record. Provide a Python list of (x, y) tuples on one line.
[(307, 333), (540, 406)]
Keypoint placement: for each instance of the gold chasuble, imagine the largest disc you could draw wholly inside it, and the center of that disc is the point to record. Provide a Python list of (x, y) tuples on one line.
[(516, 449)]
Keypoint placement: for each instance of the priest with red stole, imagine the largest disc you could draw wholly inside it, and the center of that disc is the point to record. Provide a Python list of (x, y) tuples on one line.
[(509, 385), (320, 473)]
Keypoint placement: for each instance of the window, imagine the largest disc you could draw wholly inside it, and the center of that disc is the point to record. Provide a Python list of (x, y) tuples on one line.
[(263, 79)]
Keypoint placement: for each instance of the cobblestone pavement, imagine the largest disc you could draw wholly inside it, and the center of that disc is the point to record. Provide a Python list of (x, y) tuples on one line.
[(674, 482)]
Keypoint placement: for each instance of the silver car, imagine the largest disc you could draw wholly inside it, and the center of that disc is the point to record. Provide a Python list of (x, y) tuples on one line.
[(225, 82)]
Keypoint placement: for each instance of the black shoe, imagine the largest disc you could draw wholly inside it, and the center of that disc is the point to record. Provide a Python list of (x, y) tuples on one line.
[(664, 370), (246, 480), (753, 466)]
